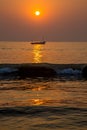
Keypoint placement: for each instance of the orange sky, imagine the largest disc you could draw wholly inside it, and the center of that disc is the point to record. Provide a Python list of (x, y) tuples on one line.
[(60, 20)]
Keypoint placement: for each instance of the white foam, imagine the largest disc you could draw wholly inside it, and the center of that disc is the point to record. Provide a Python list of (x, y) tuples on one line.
[(7, 70), (69, 71)]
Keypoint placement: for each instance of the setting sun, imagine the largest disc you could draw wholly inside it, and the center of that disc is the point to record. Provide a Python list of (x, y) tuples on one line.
[(37, 13)]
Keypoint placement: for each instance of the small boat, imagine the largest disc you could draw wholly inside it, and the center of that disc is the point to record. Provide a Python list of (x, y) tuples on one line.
[(38, 42)]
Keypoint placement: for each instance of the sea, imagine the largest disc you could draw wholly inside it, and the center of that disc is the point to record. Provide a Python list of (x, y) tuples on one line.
[(40, 102)]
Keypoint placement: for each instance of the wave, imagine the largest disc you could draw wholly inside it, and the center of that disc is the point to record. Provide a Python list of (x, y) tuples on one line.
[(40, 110), (7, 70), (40, 70)]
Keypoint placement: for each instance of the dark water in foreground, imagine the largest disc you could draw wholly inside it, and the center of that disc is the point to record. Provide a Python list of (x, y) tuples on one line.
[(41, 103)]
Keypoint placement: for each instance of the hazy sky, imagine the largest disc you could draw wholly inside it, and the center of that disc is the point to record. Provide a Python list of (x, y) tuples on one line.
[(60, 20)]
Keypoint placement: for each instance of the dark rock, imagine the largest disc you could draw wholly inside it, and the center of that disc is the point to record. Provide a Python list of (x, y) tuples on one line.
[(36, 71), (84, 72)]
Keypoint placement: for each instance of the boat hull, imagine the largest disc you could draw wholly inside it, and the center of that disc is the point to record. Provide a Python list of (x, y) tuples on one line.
[(39, 42)]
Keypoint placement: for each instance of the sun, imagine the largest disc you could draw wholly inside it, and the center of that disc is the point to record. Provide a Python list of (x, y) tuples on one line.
[(37, 13)]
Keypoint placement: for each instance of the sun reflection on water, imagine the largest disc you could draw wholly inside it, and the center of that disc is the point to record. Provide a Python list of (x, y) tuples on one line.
[(37, 102), (37, 53)]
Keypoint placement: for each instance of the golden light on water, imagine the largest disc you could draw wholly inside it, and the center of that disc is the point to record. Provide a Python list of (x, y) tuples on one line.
[(41, 101), (37, 54), (37, 102)]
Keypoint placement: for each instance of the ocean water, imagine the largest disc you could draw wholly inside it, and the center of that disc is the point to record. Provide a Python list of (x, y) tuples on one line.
[(43, 103)]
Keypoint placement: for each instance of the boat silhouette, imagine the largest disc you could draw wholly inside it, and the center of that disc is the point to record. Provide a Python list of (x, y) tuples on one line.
[(38, 42)]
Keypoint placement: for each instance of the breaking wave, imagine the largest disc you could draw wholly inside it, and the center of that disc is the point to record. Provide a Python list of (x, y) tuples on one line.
[(40, 70), (34, 111)]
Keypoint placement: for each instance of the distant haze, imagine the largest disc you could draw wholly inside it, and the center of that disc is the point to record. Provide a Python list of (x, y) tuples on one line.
[(60, 20)]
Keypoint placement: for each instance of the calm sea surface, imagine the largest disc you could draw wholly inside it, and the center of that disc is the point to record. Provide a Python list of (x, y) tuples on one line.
[(58, 103), (51, 52)]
